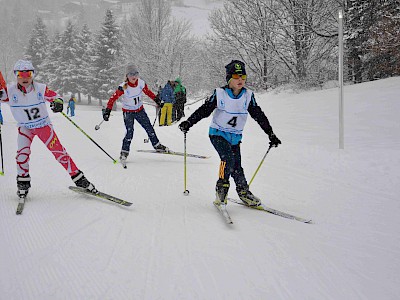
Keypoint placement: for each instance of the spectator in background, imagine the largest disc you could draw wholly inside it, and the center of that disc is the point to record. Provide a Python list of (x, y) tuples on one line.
[(71, 105), (167, 101), (180, 100)]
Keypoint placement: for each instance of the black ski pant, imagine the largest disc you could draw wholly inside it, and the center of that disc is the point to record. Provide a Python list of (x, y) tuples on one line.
[(231, 161), (144, 121)]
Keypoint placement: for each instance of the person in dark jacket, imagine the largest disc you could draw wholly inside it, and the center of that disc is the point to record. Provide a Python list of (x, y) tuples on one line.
[(168, 100), (231, 105), (180, 100)]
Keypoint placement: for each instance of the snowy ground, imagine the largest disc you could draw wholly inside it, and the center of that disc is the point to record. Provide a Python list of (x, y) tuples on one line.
[(171, 246)]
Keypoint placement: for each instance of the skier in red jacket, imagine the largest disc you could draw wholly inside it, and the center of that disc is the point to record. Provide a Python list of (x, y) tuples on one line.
[(131, 91)]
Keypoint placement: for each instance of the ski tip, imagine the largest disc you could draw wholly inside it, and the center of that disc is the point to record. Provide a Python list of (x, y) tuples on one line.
[(115, 162), (1, 174)]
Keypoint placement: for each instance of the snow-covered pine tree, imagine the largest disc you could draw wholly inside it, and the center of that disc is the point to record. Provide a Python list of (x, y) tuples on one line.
[(107, 60), (372, 39), (383, 44), (357, 13), (38, 43), (67, 63), (49, 67), (84, 70)]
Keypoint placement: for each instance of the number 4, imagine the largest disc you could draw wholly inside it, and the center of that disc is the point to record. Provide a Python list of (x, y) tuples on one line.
[(233, 122)]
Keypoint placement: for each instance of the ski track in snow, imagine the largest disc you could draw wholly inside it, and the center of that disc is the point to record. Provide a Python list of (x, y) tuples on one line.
[(170, 246)]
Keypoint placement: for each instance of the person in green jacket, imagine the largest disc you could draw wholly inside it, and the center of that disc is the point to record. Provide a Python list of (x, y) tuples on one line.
[(180, 100)]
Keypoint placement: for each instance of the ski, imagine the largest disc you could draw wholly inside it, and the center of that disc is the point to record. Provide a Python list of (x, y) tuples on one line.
[(224, 213), (21, 204), (170, 152), (276, 212), (100, 195)]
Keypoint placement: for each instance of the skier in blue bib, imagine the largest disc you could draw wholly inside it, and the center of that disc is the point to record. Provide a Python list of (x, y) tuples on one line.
[(231, 105)]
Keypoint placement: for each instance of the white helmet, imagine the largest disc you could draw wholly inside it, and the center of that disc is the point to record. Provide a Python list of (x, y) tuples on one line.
[(23, 65)]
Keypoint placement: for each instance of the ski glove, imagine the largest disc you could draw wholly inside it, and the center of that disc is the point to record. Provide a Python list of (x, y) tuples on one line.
[(157, 100), (273, 140), (106, 114), (184, 126), (57, 105)]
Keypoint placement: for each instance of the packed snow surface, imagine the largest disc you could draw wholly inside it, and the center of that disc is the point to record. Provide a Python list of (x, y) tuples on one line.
[(171, 246)]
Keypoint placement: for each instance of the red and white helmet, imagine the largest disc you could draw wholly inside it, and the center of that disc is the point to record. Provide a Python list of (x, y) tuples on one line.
[(23, 65)]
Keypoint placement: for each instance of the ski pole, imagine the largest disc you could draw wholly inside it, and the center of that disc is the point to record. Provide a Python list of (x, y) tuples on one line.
[(155, 119), (186, 191), (259, 166), (97, 127), (1, 152), (80, 129)]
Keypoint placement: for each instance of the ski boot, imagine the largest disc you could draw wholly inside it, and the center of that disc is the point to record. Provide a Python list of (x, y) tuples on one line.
[(123, 157), (247, 197), (221, 192), (23, 185), (161, 148), (81, 181)]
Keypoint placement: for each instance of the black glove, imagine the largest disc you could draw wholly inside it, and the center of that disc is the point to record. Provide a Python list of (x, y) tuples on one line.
[(1, 94), (106, 114), (184, 126), (57, 105), (161, 104), (157, 100), (273, 140)]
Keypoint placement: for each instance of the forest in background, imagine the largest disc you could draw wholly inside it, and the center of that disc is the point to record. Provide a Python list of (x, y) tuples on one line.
[(281, 41)]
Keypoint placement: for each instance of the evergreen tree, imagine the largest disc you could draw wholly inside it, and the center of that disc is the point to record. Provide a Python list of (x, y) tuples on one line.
[(84, 66), (67, 63), (38, 42), (357, 13), (107, 59), (372, 39), (383, 57), (50, 65)]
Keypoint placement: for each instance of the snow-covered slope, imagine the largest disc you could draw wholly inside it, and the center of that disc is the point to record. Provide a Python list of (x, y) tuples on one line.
[(171, 246)]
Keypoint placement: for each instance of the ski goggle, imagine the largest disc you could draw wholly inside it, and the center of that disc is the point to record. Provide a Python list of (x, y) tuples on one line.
[(131, 74), (237, 76), (24, 74)]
